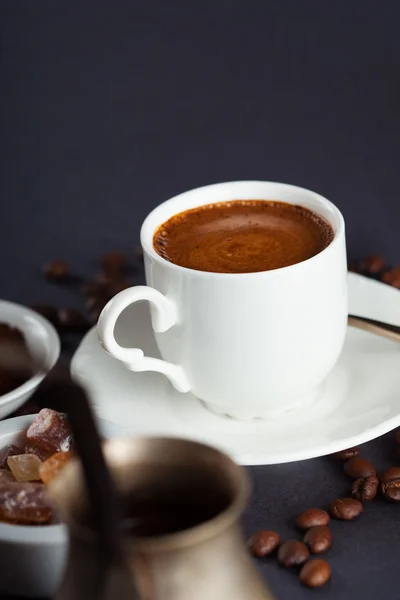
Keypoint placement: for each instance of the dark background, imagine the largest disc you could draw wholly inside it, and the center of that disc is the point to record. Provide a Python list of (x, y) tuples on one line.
[(109, 108)]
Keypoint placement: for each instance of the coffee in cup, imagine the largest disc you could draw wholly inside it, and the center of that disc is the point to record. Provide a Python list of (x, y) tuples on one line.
[(243, 236)]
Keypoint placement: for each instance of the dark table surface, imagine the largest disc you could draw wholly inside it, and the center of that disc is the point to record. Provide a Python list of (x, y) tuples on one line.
[(108, 108)]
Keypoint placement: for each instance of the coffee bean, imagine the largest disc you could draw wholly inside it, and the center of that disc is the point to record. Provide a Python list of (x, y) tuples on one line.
[(347, 454), (293, 553), (71, 319), (392, 277), (318, 539), (396, 271), (365, 489), (95, 301), (117, 286), (391, 474), (91, 301), (358, 468), (372, 265), (391, 491), (47, 311), (94, 288), (311, 518), (263, 543), (56, 270), (346, 509), (390, 484), (353, 267), (387, 277), (112, 285), (113, 263), (104, 279), (315, 572)]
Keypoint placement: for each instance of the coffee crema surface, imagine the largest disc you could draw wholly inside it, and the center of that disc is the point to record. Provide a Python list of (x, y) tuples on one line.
[(242, 236)]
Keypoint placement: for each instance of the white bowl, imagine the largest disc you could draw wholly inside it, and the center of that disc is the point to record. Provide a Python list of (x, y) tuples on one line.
[(32, 558), (43, 344)]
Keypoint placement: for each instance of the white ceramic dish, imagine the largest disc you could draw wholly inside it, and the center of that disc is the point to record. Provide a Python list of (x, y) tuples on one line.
[(359, 400), (43, 344), (32, 558)]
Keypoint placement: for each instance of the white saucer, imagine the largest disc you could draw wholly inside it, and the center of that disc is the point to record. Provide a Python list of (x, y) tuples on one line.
[(359, 401)]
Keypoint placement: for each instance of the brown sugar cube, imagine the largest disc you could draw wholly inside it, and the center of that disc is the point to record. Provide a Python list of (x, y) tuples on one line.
[(51, 467), (25, 467), (42, 453), (24, 503), (6, 477), (51, 431)]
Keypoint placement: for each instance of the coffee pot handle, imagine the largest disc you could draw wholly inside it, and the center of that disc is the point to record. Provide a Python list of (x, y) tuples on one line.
[(164, 317)]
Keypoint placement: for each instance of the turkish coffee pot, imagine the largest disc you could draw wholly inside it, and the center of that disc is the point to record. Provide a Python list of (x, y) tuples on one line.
[(149, 518)]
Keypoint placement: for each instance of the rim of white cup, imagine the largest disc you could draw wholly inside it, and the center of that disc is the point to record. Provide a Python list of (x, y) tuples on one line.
[(148, 229)]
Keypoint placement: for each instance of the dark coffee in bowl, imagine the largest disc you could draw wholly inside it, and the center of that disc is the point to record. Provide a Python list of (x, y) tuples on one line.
[(242, 236), (13, 348)]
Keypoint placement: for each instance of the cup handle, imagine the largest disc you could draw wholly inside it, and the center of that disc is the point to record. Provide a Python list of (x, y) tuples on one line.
[(163, 318)]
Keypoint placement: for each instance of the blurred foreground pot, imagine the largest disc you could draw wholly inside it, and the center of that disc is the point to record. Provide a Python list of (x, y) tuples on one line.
[(182, 503)]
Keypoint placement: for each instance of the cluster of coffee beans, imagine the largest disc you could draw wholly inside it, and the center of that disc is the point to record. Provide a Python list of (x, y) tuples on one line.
[(375, 266), (96, 292), (317, 536)]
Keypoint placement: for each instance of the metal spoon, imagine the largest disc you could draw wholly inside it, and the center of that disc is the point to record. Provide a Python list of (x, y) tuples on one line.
[(386, 330)]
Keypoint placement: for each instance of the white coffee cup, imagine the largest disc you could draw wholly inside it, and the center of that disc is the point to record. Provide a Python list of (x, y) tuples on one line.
[(251, 344)]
